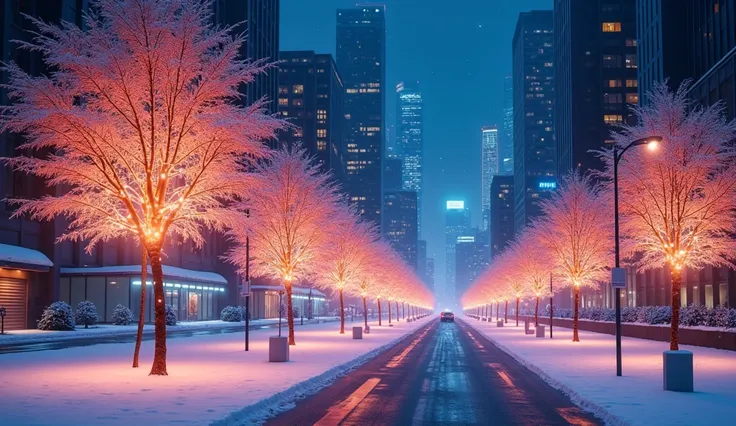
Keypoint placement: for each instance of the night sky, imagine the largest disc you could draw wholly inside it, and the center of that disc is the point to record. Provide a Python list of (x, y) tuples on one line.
[(460, 51)]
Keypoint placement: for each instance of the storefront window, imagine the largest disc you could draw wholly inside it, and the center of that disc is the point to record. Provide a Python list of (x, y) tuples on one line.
[(118, 292)]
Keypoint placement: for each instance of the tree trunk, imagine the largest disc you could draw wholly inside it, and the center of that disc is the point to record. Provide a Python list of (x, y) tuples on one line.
[(497, 313), (342, 313), (575, 337), (142, 316), (365, 312), (506, 312), (675, 324), (159, 356), (379, 311), (517, 311), (389, 310), (290, 314), (397, 311), (536, 314)]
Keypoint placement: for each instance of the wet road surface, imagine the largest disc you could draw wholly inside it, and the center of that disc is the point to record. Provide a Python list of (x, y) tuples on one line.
[(443, 374)]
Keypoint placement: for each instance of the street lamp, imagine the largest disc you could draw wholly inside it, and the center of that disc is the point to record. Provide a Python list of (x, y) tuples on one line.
[(652, 142)]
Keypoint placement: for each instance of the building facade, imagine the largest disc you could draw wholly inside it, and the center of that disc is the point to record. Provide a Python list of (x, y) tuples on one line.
[(502, 214), (311, 99), (400, 224), (595, 77), (662, 44), (507, 141), (429, 280), (489, 165), (534, 145), (410, 139), (361, 58), (259, 20), (469, 261), (457, 223)]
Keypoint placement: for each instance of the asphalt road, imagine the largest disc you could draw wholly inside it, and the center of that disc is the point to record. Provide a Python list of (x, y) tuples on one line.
[(443, 374)]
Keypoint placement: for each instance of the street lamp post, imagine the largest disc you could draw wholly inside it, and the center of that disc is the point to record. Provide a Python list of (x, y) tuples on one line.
[(652, 142)]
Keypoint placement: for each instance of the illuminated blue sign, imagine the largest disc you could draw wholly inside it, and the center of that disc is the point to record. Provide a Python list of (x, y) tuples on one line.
[(547, 185)]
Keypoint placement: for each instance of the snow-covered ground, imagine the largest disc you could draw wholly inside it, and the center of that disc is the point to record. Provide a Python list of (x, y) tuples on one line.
[(587, 372), (211, 378), (103, 330)]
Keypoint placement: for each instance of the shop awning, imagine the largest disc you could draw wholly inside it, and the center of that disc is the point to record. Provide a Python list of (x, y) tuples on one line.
[(16, 257), (169, 272)]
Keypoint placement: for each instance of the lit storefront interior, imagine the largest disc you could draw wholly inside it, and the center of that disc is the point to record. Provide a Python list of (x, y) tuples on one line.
[(265, 303), (20, 284), (193, 295)]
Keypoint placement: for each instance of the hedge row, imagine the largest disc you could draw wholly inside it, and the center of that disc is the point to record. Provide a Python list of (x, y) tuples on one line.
[(693, 315)]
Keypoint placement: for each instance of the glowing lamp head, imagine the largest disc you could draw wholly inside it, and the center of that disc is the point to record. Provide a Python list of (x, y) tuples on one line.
[(652, 145)]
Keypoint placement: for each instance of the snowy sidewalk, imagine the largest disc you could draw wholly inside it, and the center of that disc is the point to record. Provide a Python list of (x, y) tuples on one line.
[(106, 330), (211, 377), (587, 372)]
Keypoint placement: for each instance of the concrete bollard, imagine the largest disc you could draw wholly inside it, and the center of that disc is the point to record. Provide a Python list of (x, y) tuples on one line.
[(540, 331), (677, 370), (357, 333), (499, 323), (278, 349)]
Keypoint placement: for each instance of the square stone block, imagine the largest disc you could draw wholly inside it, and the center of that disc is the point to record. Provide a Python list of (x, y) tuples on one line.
[(278, 349), (677, 370), (499, 323), (357, 333), (540, 331)]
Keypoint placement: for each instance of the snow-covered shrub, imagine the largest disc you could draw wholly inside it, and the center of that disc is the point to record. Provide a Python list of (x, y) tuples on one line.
[(710, 318), (609, 315), (628, 314), (170, 315), (693, 315), (231, 314), (659, 315), (122, 315), (86, 314), (244, 314), (57, 316)]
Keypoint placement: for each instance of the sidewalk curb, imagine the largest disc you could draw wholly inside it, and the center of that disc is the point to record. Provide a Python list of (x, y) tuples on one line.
[(577, 399), (285, 400)]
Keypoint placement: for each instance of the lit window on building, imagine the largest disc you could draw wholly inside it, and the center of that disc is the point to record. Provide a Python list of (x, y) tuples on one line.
[(321, 133), (613, 119), (283, 90), (298, 89), (613, 83), (321, 145), (298, 132), (611, 27), (631, 60), (632, 98), (283, 102), (632, 83), (321, 114), (297, 102)]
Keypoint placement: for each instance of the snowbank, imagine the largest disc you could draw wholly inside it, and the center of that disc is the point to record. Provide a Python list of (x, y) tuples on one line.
[(211, 378), (586, 371)]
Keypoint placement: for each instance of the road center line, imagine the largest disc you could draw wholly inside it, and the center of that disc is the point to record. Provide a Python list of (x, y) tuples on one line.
[(338, 412)]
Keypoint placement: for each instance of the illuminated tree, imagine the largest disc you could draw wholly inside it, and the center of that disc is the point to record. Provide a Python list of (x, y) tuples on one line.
[(508, 272), (139, 125), (372, 272), (341, 255), (577, 231), (678, 203), (290, 211), (533, 266)]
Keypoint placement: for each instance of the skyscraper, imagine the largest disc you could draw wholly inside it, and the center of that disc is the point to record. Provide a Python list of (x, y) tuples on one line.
[(259, 20), (534, 144), (422, 260), (430, 275), (400, 224), (507, 141), (595, 77), (361, 58), (310, 98), (409, 138), (457, 223), (662, 43), (469, 261), (489, 165), (502, 213)]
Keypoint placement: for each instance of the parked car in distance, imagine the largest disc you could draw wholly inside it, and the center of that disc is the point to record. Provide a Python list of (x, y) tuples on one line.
[(447, 317)]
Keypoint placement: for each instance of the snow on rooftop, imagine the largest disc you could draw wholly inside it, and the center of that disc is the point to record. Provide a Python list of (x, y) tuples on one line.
[(22, 255), (169, 271)]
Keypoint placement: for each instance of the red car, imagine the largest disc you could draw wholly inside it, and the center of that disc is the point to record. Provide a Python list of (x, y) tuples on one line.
[(447, 316)]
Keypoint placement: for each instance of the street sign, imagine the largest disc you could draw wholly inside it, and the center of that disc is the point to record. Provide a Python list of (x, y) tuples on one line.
[(618, 278), (245, 288), (2, 311)]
